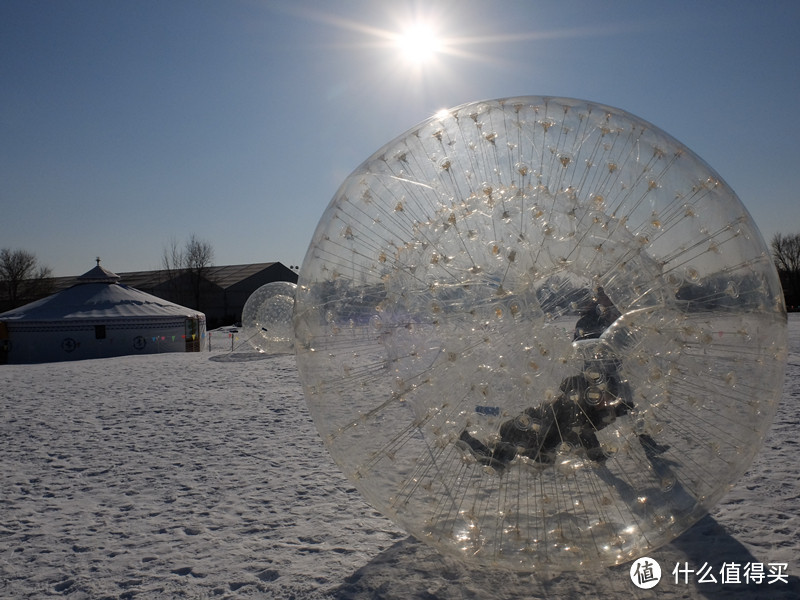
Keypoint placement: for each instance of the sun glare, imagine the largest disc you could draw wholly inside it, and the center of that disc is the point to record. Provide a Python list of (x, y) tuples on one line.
[(419, 44)]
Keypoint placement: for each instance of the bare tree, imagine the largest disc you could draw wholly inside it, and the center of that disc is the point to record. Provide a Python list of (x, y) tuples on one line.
[(21, 276), (172, 263), (786, 254), (194, 259), (172, 259), (199, 254), (198, 258)]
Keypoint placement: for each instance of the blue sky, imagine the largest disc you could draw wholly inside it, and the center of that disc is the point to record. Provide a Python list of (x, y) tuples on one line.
[(127, 124)]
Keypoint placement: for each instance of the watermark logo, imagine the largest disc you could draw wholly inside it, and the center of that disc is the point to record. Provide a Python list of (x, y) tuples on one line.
[(645, 573)]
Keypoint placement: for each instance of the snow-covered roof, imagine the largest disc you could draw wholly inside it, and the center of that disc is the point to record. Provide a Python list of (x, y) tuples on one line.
[(97, 296)]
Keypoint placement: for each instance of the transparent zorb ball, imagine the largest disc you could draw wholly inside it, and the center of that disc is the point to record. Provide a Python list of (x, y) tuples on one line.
[(540, 334), (267, 318)]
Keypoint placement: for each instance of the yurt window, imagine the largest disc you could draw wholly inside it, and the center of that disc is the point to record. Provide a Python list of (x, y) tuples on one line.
[(99, 332)]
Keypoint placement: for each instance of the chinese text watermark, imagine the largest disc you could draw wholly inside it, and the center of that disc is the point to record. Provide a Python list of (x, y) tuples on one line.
[(645, 573)]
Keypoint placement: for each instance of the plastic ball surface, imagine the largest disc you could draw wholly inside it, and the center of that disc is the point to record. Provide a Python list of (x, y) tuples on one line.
[(267, 318), (540, 334)]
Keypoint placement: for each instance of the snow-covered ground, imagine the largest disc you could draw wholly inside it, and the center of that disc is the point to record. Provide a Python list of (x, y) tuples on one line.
[(202, 476)]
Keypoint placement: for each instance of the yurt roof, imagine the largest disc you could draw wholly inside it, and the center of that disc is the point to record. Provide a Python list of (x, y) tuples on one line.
[(98, 295), (98, 275)]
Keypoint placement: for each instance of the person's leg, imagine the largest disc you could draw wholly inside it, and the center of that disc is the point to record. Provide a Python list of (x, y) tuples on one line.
[(594, 451), (474, 444), (483, 453)]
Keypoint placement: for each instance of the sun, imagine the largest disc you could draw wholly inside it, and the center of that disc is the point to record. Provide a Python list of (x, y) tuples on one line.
[(418, 44)]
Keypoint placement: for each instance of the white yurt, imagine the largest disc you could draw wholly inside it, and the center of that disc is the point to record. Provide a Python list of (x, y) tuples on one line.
[(98, 317)]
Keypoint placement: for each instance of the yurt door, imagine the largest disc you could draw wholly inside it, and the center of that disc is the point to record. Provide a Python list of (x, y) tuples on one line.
[(192, 336)]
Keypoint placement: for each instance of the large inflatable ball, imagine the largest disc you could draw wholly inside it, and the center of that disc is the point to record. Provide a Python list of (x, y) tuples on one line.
[(540, 334), (267, 318)]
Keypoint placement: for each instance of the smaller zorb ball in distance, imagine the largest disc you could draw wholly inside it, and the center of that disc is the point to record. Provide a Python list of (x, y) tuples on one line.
[(540, 334), (267, 318)]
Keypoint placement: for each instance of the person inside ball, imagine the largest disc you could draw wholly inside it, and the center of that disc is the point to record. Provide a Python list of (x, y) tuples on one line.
[(587, 403)]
